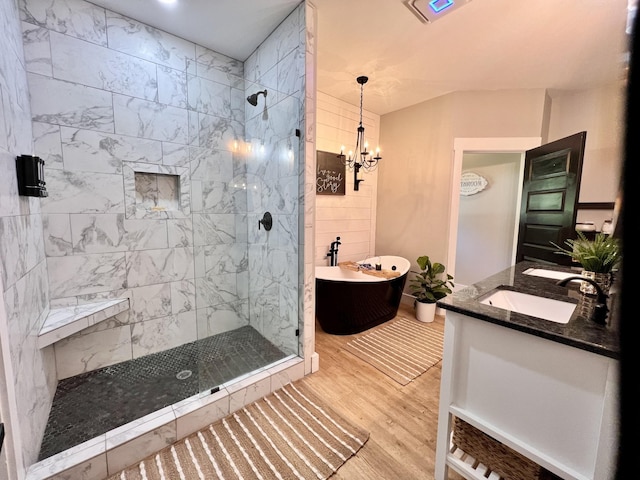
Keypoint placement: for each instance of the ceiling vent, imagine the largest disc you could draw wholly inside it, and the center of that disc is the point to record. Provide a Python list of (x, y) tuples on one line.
[(431, 10)]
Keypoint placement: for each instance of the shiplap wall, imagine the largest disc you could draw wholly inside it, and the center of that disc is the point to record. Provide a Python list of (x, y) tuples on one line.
[(352, 216)]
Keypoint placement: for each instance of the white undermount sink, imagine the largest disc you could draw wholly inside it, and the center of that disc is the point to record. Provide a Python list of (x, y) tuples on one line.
[(541, 307), (543, 272)]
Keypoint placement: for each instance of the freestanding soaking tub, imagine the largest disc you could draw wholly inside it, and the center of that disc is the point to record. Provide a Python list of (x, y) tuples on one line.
[(352, 301)]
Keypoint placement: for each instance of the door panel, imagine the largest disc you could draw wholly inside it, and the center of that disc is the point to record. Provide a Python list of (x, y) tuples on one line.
[(546, 202), (549, 199)]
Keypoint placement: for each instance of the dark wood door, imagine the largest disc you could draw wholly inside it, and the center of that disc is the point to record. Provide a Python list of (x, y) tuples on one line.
[(549, 199)]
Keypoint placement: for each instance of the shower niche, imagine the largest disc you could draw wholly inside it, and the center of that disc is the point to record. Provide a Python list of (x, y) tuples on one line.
[(156, 191)]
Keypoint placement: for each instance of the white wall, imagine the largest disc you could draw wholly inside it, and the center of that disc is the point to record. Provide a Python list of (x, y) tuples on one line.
[(352, 216), (414, 192), (599, 112), (486, 220)]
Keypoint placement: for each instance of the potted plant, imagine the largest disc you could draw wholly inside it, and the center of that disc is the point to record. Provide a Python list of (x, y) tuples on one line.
[(429, 285), (598, 257)]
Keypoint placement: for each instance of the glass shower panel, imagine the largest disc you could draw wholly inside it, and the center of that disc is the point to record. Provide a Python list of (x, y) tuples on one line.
[(247, 279), (273, 183)]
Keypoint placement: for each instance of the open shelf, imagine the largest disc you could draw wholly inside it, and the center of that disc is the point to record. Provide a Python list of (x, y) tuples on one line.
[(468, 467)]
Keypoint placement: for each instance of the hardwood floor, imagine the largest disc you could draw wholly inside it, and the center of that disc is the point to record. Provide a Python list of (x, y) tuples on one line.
[(402, 420)]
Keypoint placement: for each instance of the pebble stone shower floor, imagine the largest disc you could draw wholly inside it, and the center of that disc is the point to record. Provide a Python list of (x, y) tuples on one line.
[(90, 404)]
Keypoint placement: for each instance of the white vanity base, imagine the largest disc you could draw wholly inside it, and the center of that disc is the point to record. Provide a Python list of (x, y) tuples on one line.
[(551, 402)]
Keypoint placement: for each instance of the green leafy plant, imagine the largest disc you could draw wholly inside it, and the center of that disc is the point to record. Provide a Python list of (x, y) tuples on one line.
[(430, 285), (600, 255)]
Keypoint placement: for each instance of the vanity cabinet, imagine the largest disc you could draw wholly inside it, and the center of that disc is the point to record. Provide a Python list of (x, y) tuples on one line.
[(548, 390), (553, 403)]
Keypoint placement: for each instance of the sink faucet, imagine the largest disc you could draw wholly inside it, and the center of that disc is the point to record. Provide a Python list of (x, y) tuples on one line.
[(333, 252), (600, 310)]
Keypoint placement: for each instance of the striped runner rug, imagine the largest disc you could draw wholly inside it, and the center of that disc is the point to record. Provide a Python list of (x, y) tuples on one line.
[(290, 434), (403, 348)]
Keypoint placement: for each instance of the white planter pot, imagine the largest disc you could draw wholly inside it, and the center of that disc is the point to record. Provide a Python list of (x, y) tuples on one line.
[(425, 312)]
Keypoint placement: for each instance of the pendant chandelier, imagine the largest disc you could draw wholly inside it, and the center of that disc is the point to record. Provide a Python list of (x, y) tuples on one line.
[(362, 158)]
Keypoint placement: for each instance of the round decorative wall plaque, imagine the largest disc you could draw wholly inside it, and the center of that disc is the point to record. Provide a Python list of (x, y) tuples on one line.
[(472, 183)]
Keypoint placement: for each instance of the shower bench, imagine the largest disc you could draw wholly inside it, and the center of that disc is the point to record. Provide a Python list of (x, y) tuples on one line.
[(65, 321)]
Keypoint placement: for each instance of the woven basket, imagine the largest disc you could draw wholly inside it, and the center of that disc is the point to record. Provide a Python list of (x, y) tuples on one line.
[(497, 457)]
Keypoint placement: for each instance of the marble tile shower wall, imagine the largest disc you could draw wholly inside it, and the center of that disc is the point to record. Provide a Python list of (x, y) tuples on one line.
[(275, 180), (111, 97), (29, 372)]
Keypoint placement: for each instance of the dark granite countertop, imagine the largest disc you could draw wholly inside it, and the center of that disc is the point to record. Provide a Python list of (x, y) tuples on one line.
[(579, 332)]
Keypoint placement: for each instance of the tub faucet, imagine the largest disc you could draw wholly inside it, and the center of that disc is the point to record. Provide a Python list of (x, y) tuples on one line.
[(600, 310), (333, 252)]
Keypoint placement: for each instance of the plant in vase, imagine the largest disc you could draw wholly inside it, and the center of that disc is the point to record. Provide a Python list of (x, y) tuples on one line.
[(598, 257), (429, 285)]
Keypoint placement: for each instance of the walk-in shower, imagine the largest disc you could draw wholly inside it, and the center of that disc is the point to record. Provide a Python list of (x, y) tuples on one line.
[(158, 173)]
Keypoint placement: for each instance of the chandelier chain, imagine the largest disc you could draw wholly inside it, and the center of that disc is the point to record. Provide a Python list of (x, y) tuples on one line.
[(361, 97)]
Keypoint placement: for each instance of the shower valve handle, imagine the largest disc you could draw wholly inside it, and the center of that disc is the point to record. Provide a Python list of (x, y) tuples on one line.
[(267, 221)]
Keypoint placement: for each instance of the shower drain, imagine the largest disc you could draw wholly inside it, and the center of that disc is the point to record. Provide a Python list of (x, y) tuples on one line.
[(184, 374)]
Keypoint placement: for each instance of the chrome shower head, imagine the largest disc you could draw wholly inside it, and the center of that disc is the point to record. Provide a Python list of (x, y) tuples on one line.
[(253, 99)]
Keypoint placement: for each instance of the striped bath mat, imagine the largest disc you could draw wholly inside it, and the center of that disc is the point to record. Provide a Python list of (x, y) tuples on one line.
[(403, 349), (290, 434)]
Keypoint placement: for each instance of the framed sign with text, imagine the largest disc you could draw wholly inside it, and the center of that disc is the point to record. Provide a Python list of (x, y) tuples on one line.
[(472, 183), (330, 173)]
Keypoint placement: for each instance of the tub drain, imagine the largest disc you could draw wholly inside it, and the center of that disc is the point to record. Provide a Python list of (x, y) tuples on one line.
[(184, 374)]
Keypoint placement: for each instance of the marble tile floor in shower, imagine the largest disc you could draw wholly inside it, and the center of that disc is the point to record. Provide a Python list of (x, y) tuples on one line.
[(93, 403)]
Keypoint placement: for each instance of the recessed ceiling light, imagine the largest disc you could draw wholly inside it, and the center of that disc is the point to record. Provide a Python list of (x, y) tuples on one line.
[(168, 2)]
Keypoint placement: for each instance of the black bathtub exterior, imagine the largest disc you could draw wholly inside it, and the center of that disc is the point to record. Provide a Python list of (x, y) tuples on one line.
[(344, 308)]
